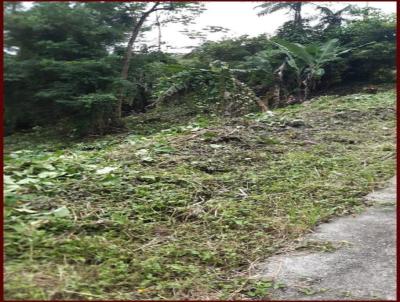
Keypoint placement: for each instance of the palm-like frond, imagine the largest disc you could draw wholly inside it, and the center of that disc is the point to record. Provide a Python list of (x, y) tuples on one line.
[(329, 51), (343, 10), (313, 56), (330, 17), (309, 61), (271, 7), (297, 50), (290, 59), (325, 10)]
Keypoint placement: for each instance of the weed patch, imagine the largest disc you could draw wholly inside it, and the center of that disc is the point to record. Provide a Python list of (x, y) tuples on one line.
[(181, 211)]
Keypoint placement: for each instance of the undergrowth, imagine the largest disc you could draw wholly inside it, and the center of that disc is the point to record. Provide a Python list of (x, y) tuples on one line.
[(183, 209)]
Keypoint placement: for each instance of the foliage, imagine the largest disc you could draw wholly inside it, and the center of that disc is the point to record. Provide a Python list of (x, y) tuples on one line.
[(164, 209), (312, 58), (216, 86), (62, 52), (232, 51), (291, 32), (140, 12), (52, 84), (376, 59), (292, 7), (59, 31), (148, 68), (332, 19), (260, 68), (94, 112), (59, 53), (260, 60), (167, 214)]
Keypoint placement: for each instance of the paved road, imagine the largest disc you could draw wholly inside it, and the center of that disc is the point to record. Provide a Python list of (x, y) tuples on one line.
[(361, 267)]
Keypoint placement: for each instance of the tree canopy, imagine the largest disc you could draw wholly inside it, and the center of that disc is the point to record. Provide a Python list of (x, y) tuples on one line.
[(78, 64)]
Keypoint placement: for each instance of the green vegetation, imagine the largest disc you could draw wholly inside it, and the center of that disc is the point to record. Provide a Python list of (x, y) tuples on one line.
[(135, 173), (65, 64), (182, 211)]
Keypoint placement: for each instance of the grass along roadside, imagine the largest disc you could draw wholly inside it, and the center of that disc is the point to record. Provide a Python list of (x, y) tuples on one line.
[(183, 212)]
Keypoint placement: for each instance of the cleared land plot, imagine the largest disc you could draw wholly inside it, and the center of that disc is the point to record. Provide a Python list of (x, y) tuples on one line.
[(184, 211)]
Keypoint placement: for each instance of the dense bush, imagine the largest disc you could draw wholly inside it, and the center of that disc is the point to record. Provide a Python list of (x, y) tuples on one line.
[(44, 87), (63, 62), (216, 86), (374, 62), (57, 54), (93, 112)]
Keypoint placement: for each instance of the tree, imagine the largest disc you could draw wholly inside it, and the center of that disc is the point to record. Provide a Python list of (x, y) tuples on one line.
[(158, 24), (60, 53), (60, 31), (232, 51), (12, 7), (376, 61), (331, 19), (204, 33), (304, 34), (140, 11), (292, 7), (295, 30), (63, 60)]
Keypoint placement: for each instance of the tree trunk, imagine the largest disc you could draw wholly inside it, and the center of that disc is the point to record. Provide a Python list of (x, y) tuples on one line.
[(127, 58), (306, 93), (125, 64), (14, 7), (278, 73), (159, 32), (309, 85), (297, 14)]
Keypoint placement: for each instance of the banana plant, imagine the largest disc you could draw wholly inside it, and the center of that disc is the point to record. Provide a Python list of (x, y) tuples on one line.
[(308, 61)]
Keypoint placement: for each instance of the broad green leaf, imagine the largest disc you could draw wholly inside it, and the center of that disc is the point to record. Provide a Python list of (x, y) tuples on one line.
[(296, 50), (292, 63), (328, 51), (20, 228), (61, 212), (105, 170), (48, 167), (27, 180), (49, 174), (8, 180), (11, 199), (11, 188)]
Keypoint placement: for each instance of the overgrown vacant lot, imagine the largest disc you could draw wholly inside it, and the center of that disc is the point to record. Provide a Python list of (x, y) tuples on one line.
[(184, 211)]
